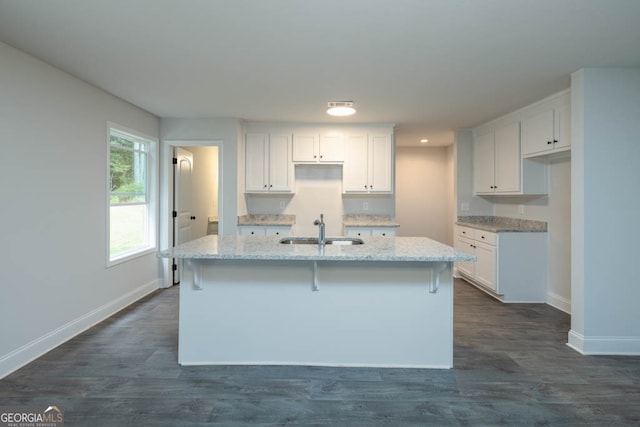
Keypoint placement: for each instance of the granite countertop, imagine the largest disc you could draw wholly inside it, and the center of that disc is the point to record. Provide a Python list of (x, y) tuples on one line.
[(497, 224), (269, 248), (368, 221), (266, 219)]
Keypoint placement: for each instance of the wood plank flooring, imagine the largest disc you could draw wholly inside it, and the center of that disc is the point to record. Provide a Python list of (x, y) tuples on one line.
[(511, 367)]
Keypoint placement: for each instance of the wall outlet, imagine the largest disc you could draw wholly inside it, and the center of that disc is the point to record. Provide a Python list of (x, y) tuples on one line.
[(365, 206), (521, 209), (282, 204), (464, 207)]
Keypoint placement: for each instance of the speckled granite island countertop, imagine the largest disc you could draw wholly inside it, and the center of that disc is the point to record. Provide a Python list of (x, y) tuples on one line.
[(266, 219), (497, 224), (419, 249), (368, 221)]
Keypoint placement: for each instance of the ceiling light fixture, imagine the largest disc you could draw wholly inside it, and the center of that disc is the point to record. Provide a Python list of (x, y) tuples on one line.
[(340, 108), (424, 141)]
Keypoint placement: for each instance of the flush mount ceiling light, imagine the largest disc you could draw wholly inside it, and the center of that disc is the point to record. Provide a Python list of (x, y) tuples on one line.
[(424, 141), (340, 108)]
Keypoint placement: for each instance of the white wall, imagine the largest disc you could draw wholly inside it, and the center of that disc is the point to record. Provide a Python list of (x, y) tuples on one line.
[(555, 209), (451, 192), (466, 203), (228, 131), (53, 129), (606, 151), (204, 181), (422, 192)]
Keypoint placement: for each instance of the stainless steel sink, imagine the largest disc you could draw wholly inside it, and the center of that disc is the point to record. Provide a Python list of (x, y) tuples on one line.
[(327, 241)]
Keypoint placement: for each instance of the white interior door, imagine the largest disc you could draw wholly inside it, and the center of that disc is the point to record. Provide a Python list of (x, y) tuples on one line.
[(182, 200)]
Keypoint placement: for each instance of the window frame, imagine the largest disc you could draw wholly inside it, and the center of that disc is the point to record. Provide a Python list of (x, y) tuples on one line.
[(150, 228)]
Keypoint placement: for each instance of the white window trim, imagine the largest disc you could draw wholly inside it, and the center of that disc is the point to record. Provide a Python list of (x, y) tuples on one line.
[(152, 183)]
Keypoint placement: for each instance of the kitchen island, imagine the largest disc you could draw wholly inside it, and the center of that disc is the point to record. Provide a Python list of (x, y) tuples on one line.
[(252, 300)]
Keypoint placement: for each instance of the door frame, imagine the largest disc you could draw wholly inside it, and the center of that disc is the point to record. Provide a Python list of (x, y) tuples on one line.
[(166, 196)]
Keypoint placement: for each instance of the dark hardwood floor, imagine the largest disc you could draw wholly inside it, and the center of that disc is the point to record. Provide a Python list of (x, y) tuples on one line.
[(512, 367)]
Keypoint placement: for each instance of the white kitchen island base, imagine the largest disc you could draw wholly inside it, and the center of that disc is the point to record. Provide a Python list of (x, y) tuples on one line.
[(267, 312)]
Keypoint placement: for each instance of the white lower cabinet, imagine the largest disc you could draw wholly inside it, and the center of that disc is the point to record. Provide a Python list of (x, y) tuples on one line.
[(264, 230), (370, 231), (510, 266)]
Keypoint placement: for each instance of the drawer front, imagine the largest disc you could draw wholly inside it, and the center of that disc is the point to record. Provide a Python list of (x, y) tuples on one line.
[(465, 231), (383, 232), (277, 231), (486, 237)]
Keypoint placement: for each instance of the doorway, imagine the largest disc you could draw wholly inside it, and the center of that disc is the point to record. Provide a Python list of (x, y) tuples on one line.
[(192, 188)]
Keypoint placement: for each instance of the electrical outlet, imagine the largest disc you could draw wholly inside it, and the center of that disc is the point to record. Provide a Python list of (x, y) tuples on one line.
[(365, 206), (521, 209), (282, 204), (464, 206)]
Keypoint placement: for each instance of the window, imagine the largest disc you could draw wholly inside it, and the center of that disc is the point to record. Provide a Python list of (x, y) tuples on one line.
[(132, 213)]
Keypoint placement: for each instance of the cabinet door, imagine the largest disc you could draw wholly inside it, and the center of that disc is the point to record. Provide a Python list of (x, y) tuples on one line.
[(380, 164), (537, 133), (280, 167), (305, 148), (507, 159), (256, 158), (485, 268), (465, 245), (331, 148), (483, 164), (354, 172), (562, 127)]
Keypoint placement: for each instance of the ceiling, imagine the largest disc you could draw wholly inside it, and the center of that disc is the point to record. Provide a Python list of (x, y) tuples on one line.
[(428, 66)]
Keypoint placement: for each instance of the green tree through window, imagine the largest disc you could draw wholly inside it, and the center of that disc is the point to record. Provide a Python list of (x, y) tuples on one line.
[(129, 225)]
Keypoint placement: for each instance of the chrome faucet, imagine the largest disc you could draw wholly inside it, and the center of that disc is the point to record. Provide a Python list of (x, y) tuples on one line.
[(320, 224)]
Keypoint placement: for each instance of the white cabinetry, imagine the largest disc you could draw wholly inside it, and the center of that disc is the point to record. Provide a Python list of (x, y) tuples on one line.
[(482, 244), (498, 167), (264, 230), (547, 131), (370, 231), (510, 266), (321, 148), (368, 164), (268, 166)]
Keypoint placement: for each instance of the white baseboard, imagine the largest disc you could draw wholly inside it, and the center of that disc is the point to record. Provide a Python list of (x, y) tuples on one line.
[(561, 303), (594, 345), (36, 348)]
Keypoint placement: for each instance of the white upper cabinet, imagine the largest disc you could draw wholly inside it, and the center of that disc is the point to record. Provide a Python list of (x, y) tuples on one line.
[(268, 167), (305, 148), (497, 161), (507, 159), (368, 164), (310, 148), (498, 168), (484, 164), (547, 128)]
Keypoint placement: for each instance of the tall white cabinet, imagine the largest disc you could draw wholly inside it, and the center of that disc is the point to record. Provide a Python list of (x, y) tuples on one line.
[(498, 166), (497, 160), (368, 164), (268, 167)]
